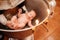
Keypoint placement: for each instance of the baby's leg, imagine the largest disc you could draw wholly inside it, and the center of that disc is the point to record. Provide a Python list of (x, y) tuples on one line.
[(9, 24), (14, 20)]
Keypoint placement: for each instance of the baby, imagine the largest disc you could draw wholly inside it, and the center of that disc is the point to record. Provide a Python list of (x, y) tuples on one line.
[(19, 21)]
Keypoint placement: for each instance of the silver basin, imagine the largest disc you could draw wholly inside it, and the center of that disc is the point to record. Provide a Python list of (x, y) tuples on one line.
[(42, 14)]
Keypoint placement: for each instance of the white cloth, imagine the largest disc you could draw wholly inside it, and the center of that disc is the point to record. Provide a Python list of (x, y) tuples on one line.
[(8, 4), (3, 20)]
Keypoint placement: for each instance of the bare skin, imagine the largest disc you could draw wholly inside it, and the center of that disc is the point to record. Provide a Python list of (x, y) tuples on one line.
[(22, 20)]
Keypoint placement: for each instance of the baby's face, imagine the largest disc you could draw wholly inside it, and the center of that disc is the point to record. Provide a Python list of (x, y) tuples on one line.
[(31, 14)]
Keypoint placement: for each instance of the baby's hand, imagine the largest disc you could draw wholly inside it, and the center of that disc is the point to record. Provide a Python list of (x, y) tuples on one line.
[(30, 24)]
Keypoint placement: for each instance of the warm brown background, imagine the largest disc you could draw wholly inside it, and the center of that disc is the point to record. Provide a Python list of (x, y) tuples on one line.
[(53, 27)]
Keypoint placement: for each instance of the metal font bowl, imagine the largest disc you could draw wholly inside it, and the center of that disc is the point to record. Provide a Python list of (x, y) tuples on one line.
[(40, 7)]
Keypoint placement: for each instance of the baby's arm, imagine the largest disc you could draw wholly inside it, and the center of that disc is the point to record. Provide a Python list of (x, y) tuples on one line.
[(19, 12), (30, 24)]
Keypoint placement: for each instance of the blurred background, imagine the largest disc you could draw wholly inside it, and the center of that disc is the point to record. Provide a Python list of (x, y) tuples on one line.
[(53, 27)]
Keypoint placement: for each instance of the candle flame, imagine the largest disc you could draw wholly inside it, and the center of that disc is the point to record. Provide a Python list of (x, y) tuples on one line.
[(48, 11), (37, 21)]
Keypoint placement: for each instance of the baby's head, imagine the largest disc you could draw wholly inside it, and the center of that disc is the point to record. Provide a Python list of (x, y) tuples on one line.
[(31, 14)]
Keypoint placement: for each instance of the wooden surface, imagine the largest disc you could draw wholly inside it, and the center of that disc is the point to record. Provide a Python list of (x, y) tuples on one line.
[(53, 27)]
